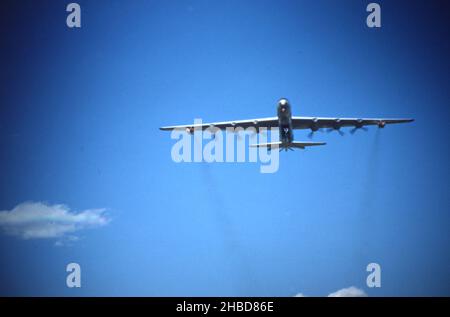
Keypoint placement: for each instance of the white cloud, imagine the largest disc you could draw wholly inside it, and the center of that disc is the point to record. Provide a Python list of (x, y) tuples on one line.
[(345, 292), (37, 220), (349, 292), (66, 241)]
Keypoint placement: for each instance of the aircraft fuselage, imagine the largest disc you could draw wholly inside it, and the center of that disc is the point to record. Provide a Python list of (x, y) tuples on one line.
[(285, 121)]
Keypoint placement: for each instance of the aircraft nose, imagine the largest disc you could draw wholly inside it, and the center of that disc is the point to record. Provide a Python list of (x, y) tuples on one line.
[(283, 102)]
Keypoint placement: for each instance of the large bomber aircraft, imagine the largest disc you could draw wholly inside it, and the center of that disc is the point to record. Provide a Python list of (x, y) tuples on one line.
[(287, 123)]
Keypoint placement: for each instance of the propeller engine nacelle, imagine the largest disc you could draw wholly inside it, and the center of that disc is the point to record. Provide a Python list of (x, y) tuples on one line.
[(314, 126), (337, 124)]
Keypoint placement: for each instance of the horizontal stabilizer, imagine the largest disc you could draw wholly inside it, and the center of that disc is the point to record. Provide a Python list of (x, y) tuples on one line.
[(281, 145), (268, 145), (302, 145)]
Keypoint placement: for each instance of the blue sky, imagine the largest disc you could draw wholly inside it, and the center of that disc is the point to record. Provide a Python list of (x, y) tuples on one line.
[(79, 118)]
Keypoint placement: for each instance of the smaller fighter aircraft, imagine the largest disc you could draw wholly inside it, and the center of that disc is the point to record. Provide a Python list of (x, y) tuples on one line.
[(287, 123)]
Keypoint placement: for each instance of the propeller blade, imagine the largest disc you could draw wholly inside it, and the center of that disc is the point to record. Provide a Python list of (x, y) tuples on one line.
[(334, 129), (352, 131)]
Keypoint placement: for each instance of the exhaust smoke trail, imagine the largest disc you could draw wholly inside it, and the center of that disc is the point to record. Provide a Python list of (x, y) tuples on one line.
[(368, 197), (245, 281)]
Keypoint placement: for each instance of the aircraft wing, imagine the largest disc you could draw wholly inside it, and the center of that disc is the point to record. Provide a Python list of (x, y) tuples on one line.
[(315, 123), (256, 123)]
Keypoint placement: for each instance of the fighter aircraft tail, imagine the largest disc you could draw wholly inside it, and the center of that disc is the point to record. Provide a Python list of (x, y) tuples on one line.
[(286, 146)]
